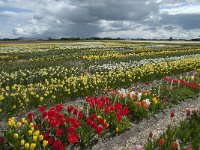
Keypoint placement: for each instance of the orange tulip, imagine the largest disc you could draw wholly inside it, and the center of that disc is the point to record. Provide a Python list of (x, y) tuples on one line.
[(162, 141), (174, 145)]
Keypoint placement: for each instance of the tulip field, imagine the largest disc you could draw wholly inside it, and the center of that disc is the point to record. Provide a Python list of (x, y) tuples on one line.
[(118, 82)]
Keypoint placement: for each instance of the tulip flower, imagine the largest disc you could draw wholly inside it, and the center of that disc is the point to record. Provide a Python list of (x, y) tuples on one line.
[(162, 141), (174, 145), (172, 114)]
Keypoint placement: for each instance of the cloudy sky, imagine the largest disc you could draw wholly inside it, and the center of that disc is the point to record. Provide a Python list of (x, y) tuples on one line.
[(102, 18)]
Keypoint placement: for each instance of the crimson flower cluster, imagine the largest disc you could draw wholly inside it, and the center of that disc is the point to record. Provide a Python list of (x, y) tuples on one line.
[(58, 126), (96, 123), (192, 85), (107, 108), (61, 125)]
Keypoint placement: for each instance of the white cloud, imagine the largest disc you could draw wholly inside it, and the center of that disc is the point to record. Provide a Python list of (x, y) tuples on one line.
[(29, 30), (187, 9), (8, 14)]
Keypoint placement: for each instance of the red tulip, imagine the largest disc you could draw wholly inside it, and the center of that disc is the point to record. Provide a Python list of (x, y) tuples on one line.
[(50, 141), (99, 129), (30, 116), (118, 106), (72, 137), (118, 116), (75, 112), (92, 124), (59, 107), (57, 144), (80, 115), (70, 108), (100, 120), (59, 132), (45, 135), (41, 108), (1, 139), (44, 114), (93, 116), (54, 123), (76, 124), (70, 120), (162, 141), (70, 129), (172, 114)]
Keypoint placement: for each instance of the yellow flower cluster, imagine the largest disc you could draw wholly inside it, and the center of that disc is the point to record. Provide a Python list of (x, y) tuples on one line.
[(85, 83), (133, 53), (30, 142)]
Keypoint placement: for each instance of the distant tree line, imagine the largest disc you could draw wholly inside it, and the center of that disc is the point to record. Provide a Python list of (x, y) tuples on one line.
[(91, 38)]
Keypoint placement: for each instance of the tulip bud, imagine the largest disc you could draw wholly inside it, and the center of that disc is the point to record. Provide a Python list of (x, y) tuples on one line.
[(30, 132), (162, 141), (26, 146), (172, 114), (117, 129), (174, 145), (19, 124), (37, 132), (22, 142), (34, 138), (32, 147), (41, 137), (189, 148), (45, 143), (31, 125), (15, 135)]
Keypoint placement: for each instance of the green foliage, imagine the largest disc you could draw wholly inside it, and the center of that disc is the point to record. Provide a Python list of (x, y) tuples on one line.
[(187, 133)]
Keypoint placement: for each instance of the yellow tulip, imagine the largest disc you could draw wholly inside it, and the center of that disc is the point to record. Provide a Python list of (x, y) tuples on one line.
[(99, 117), (41, 137), (31, 125), (15, 135), (22, 142), (34, 138), (30, 132), (32, 147), (154, 100), (41, 99), (37, 133), (26, 146), (19, 124), (117, 129), (45, 143)]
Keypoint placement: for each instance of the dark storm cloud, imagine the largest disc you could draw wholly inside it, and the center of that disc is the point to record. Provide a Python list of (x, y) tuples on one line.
[(186, 21), (87, 18)]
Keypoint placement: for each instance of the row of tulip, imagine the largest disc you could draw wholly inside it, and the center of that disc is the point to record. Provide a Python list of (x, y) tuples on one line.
[(185, 136), (60, 127), (130, 64), (57, 90), (131, 54), (35, 55), (26, 76)]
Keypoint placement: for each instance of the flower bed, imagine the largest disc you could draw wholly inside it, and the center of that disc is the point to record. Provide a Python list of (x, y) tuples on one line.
[(17, 97), (60, 127), (185, 136)]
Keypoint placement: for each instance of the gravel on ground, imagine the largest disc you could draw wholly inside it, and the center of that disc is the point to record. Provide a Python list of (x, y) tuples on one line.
[(157, 124)]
